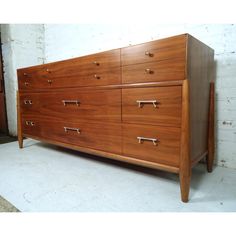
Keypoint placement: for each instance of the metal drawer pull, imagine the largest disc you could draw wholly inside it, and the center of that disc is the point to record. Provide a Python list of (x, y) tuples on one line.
[(97, 76), (147, 53), (26, 83), (50, 81), (72, 129), (48, 70), (30, 123), (77, 102), (27, 122), (153, 140), (30, 102), (96, 63), (149, 71), (142, 102), (25, 74)]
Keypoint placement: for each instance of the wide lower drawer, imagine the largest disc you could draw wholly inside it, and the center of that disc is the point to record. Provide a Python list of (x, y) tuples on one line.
[(163, 49), (154, 105), (152, 143), (167, 70), (100, 136), (74, 104)]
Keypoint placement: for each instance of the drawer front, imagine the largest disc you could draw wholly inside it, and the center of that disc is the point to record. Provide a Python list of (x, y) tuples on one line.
[(152, 143), (31, 126), (95, 63), (102, 105), (174, 47), (71, 80), (98, 69), (155, 105), (33, 77), (173, 69), (105, 137)]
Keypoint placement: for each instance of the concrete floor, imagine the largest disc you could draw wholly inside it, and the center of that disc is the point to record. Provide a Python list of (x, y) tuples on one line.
[(46, 178)]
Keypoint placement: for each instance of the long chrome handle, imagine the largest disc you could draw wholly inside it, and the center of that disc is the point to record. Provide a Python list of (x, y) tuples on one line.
[(147, 53), (72, 129), (30, 102), (142, 102), (153, 140), (77, 102)]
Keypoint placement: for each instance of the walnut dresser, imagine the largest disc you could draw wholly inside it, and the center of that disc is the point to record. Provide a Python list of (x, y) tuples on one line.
[(150, 104)]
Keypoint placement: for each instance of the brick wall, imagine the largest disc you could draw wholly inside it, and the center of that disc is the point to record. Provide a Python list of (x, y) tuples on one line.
[(22, 46)]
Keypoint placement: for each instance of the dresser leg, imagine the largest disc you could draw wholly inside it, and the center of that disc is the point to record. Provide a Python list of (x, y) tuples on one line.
[(184, 186), (185, 163), (20, 141), (19, 127), (211, 127)]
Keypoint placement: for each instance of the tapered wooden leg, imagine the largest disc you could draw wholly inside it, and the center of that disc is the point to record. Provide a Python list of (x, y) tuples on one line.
[(185, 163), (185, 179), (211, 127), (19, 127)]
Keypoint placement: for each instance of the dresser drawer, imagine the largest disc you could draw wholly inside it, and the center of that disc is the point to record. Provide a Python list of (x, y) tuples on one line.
[(98, 69), (174, 47), (31, 126), (33, 77), (71, 80), (105, 137), (103, 61), (172, 69), (154, 105), (152, 143), (74, 104)]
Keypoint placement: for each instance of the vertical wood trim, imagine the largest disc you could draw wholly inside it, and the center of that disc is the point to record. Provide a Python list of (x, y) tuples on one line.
[(211, 127), (19, 127), (185, 160)]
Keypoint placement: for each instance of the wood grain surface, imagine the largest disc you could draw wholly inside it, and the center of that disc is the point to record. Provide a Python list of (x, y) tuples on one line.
[(166, 70), (167, 150), (91, 105), (167, 111), (173, 47)]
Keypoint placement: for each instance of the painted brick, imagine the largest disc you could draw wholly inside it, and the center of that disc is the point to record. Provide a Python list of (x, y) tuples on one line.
[(22, 46)]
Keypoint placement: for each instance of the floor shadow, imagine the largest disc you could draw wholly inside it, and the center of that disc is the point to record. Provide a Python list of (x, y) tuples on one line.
[(145, 170)]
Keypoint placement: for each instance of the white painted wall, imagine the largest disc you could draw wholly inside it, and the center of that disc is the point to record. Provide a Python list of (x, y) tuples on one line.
[(22, 46), (31, 44)]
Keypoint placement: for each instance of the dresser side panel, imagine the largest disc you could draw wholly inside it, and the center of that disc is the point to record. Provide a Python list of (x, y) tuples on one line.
[(200, 71)]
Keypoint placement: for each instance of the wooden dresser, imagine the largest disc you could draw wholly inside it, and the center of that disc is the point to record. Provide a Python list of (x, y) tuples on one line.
[(150, 104)]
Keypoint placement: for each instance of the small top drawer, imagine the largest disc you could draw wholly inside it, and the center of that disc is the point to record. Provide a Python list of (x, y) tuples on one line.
[(166, 70), (91, 64), (163, 49), (98, 69)]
